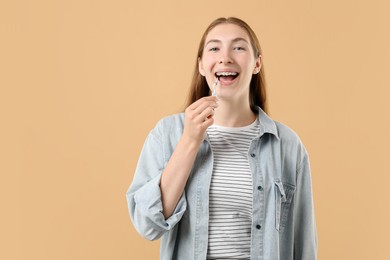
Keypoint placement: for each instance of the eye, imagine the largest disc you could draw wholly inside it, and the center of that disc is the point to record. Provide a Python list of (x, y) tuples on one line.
[(213, 49), (239, 48)]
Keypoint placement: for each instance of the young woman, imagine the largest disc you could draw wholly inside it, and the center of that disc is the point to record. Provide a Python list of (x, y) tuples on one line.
[(223, 180)]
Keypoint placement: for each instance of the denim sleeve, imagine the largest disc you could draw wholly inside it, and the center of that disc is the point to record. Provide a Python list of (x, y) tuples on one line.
[(305, 233), (144, 194)]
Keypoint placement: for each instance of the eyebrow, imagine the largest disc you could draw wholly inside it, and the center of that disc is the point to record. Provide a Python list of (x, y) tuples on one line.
[(234, 40)]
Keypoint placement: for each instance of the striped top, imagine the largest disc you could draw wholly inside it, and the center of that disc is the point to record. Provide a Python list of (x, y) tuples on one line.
[(230, 219)]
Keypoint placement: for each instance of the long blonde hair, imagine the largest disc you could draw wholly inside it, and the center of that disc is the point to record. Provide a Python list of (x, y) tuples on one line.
[(199, 87)]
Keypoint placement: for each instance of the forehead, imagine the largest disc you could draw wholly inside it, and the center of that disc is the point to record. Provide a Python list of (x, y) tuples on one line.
[(226, 32)]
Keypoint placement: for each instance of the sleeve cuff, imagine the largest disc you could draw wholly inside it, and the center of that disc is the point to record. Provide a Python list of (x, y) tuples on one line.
[(149, 208)]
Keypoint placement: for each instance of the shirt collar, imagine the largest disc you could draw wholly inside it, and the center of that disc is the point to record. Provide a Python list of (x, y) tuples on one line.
[(267, 125)]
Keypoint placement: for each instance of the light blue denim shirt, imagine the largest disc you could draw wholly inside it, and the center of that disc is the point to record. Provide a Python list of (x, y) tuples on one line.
[(283, 223)]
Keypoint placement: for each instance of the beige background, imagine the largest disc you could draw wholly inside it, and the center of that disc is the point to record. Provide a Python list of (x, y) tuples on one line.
[(83, 82)]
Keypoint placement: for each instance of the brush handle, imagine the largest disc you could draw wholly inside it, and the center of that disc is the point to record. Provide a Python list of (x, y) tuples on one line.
[(215, 88)]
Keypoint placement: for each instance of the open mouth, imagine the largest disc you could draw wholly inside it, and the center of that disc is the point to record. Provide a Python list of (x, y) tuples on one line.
[(226, 75)]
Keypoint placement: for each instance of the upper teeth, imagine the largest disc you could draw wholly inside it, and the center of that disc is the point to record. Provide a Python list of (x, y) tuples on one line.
[(226, 73)]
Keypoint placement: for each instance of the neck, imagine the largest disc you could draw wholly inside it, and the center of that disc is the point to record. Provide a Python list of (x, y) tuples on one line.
[(233, 114)]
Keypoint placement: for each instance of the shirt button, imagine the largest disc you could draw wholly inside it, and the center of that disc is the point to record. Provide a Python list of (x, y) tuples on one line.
[(253, 155), (258, 226), (259, 188)]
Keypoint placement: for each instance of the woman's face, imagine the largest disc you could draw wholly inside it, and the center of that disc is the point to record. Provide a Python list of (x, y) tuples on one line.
[(228, 54)]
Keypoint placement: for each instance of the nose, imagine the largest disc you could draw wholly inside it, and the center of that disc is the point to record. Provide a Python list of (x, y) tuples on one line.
[(225, 57)]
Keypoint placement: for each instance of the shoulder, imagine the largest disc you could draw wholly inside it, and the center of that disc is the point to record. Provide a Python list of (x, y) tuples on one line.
[(286, 138), (282, 132), (171, 122), (290, 142), (286, 133), (169, 126)]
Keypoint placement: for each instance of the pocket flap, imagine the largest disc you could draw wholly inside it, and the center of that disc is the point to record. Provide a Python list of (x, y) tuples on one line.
[(279, 184)]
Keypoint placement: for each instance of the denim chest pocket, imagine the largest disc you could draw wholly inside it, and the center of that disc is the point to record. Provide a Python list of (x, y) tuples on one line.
[(284, 194)]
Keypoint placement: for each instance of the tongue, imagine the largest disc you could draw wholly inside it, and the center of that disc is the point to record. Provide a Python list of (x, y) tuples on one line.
[(226, 78)]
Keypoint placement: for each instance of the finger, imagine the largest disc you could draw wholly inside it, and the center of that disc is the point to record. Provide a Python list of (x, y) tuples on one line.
[(204, 115), (194, 105), (196, 115), (208, 122), (204, 105)]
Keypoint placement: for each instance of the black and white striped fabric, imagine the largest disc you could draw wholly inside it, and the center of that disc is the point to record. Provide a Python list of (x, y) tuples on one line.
[(230, 192)]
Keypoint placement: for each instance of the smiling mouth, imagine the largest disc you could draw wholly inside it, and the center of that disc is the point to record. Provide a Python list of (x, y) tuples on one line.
[(226, 76)]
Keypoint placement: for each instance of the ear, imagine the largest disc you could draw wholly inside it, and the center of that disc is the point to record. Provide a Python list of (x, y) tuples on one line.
[(259, 62), (200, 67)]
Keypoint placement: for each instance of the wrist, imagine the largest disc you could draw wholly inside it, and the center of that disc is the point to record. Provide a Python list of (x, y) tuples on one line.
[(190, 144)]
